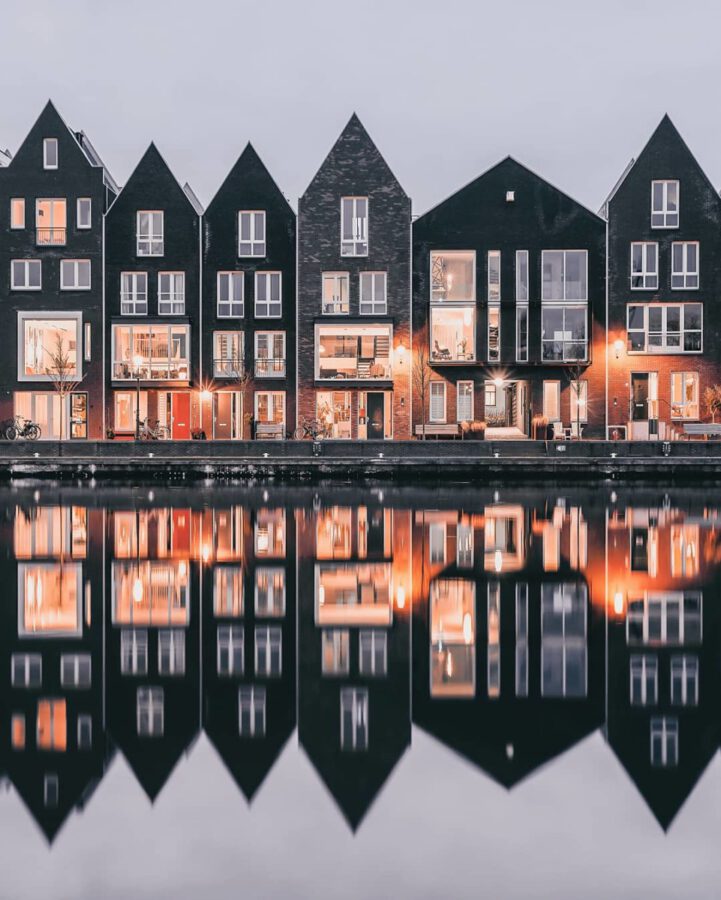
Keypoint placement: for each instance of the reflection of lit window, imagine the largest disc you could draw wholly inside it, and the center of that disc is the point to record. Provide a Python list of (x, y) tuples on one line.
[(494, 639), (51, 531), (130, 534), (464, 546), (373, 653), (26, 670), (503, 539), (228, 591), (674, 617), (52, 729), (150, 710), (269, 592), (644, 680), (75, 670), (353, 594), (251, 711), (49, 599), (684, 680), (684, 551), (228, 533), (453, 638), (354, 719), (268, 651), (133, 652), (521, 640), (230, 650), (17, 731), (171, 652), (563, 640), (150, 593), (334, 530), (664, 741), (335, 651), (270, 533)]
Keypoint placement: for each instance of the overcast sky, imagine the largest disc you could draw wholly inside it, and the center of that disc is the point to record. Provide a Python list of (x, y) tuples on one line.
[(572, 89)]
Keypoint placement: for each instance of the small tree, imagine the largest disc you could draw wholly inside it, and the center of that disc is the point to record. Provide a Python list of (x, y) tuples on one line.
[(575, 374), (63, 373), (712, 399), (421, 379), (236, 369)]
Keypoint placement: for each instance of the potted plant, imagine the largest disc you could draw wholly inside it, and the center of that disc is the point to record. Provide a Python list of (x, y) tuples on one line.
[(478, 430), (110, 434)]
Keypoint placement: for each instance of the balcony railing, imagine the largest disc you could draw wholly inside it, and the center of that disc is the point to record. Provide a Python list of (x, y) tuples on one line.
[(44, 236), (270, 368), (159, 369), (229, 368), (353, 368)]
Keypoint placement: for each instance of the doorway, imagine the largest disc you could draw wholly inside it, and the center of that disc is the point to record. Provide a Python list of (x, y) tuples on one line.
[(79, 416), (644, 405), (375, 413), (180, 415), (227, 415), (505, 405)]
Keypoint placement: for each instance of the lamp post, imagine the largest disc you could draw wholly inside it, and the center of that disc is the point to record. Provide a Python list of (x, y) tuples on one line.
[(137, 362)]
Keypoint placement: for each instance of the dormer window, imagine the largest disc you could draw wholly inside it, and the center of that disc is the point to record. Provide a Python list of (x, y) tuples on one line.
[(354, 226), (251, 233), (50, 153), (664, 204), (150, 231)]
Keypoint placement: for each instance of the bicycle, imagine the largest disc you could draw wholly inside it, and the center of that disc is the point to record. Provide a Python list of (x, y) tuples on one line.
[(20, 427), (152, 431), (310, 428)]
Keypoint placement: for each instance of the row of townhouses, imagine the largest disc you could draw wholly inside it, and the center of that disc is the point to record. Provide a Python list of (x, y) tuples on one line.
[(508, 309)]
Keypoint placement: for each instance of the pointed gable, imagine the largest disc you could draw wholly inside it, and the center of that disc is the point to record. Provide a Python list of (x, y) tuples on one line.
[(153, 181), (250, 184)]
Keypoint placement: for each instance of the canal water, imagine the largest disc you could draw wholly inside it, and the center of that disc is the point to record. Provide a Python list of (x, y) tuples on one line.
[(346, 692)]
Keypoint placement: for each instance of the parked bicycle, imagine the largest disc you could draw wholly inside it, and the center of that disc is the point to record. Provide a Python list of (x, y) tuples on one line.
[(152, 430), (20, 428), (311, 428)]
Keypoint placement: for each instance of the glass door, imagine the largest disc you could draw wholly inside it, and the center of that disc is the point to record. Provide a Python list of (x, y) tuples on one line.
[(79, 416)]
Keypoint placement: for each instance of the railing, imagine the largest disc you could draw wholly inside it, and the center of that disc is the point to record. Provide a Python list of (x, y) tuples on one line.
[(354, 369), (155, 370), (270, 368), (335, 307), (229, 368), (50, 236)]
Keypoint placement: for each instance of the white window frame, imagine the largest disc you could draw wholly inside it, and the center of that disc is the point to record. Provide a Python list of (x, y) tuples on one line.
[(251, 698), (29, 316), (688, 664), (643, 667), (230, 650), (664, 347), (665, 728), (133, 651), (355, 701), (494, 354), (171, 302), (270, 366), (266, 309), (257, 246), (522, 284), (235, 305), (274, 605), (133, 302), (465, 384), (80, 219), (548, 385), (275, 395), (338, 279), (683, 403), (689, 277), (149, 703), (87, 342), (268, 651), (21, 205), (521, 315), (358, 245), (373, 306), (152, 244), (25, 286), (73, 666), (74, 266), (647, 275), (663, 210), (171, 652), (641, 617), (373, 652), (442, 393), (494, 276), (231, 366), (47, 144), (565, 358), (85, 731), (24, 662), (564, 298)]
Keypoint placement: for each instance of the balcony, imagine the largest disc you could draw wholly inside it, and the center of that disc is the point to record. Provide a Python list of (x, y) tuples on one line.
[(270, 368), (50, 236), (226, 367)]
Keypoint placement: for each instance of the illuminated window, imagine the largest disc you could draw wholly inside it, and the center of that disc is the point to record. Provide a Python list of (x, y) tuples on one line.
[(664, 741), (49, 346), (85, 732), (334, 533), (17, 212), (228, 354), (83, 212), (552, 400), (76, 670), (251, 711), (171, 293), (684, 551), (125, 416), (579, 401), (150, 711), (49, 599), (563, 640), (133, 652), (335, 651), (354, 719), (268, 295), (437, 543), (268, 651), (453, 638), (269, 354), (230, 290), (373, 653), (494, 333), (464, 401), (270, 408), (644, 266), (26, 275), (228, 591), (150, 233), (171, 652), (269, 592), (50, 222), (657, 619), (230, 650), (333, 411), (684, 680), (150, 592), (373, 299), (564, 275), (17, 731), (335, 291), (453, 334), (355, 352), (664, 204), (684, 395), (354, 226), (453, 276), (52, 727), (228, 533), (26, 670), (75, 275), (163, 351), (270, 533), (251, 233), (50, 153), (644, 680)]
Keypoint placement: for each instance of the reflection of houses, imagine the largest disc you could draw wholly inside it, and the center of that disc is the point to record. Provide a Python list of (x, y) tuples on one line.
[(248, 637), (508, 650), (152, 651), (52, 648), (663, 644), (353, 587)]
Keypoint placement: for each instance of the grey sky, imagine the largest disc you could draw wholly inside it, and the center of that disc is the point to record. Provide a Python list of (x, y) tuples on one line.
[(572, 89)]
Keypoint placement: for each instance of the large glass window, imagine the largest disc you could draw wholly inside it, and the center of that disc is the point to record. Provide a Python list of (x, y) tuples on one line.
[(453, 276), (270, 354), (684, 395), (665, 328), (49, 348), (521, 276), (251, 233), (565, 275), (268, 295), (335, 294), (51, 219), (563, 639), (453, 638), (353, 594), (230, 295), (684, 265), (644, 265), (522, 333), (563, 333), (453, 334), (664, 204), (228, 354), (333, 411), (134, 293), (353, 352), (151, 352), (171, 293), (150, 233), (150, 592), (354, 226)]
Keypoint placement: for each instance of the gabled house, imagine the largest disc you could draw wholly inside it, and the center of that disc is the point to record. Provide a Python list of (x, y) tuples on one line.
[(53, 194), (354, 294), (152, 304), (248, 340)]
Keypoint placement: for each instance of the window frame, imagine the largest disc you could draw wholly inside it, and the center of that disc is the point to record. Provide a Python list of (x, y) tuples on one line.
[(663, 211), (24, 316), (564, 308), (174, 303), (269, 303), (270, 361), (152, 237), (78, 217), (234, 277), (684, 272), (252, 240), (26, 269), (465, 383), (76, 272), (355, 241), (645, 274), (682, 403), (663, 348), (49, 142), (374, 306), (21, 204), (338, 278), (129, 300), (431, 418), (565, 251)]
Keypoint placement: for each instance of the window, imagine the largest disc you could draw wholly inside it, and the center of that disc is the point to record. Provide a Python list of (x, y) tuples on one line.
[(665, 328), (564, 275), (437, 411), (51, 791), (251, 711), (494, 333), (133, 293), (52, 725), (489, 394), (83, 212), (171, 293), (125, 417), (494, 276), (268, 651), (684, 395), (664, 741), (644, 266), (171, 652), (270, 354), (163, 351), (87, 355), (552, 400), (230, 295), (522, 639), (335, 651), (353, 352), (464, 401), (563, 639), (335, 294), (251, 233), (373, 653), (373, 300), (76, 670), (50, 153), (563, 333), (354, 719), (579, 401), (464, 546), (453, 276), (133, 652), (230, 658), (17, 731), (437, 543), (26, 670), (85, 732), (50, 222), (150, 233), (228, 591), (684, 680), (17, 212), (268, 294), (75, 275), (521, 334), (659, 619), (664, 204), (42, 341), (521, 276), (684, 265), (269, 592), (270, 407), (26, 275), (228, 354), (354, 226), (644, 680), (150, 711), (453, 334)]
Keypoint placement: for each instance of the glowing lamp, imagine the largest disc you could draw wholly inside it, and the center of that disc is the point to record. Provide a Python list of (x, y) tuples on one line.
[(618, 603), (205, 395), (401, 597), (618, 347), (137, 361), (498, 382), (467, 629), (137, 590)]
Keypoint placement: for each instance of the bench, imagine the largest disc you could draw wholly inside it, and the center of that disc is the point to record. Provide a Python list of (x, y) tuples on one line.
[(437, 429), (269, 430), (702, 429)]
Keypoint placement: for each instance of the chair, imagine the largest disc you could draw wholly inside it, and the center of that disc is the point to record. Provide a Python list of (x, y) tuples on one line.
[(558, 432)]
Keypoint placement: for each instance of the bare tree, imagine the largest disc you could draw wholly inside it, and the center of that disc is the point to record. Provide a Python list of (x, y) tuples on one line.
[(63, 373), (575, 375), (237, 370), (421, 378), (712, 399)]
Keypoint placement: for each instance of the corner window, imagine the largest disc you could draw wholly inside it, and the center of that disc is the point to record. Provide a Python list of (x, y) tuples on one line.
[(26, 275), (251, 233), (150, 233), (17, 212), (373, 294), (83, 213), (230, 295), (565, 275), (75, 275), (50, 153), (354, 226), (171, 293), (684, 395), (684, 265), (664, 204), (335, 293), (268, 295), (133, 293), (644, 266)]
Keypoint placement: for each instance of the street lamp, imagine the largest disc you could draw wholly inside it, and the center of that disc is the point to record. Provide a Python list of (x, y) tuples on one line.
[(137, 362)]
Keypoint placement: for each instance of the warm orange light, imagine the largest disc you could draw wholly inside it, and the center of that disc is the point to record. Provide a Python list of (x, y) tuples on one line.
[(206, 553), (401, 597), (206, 395), (137, 361), (618, 347), (498, 382), (137, 590), (618, 603), (467, 629)]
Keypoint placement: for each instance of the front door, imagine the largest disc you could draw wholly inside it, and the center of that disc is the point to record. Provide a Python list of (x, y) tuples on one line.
[(375, 411), (227, 415), (180, 415), (639, 396), (79, 416)]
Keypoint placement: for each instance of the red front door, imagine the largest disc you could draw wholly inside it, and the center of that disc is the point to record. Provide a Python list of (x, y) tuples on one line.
[(181, 416)]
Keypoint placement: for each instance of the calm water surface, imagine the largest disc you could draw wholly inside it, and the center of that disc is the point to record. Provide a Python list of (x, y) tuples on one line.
[(388, 692)]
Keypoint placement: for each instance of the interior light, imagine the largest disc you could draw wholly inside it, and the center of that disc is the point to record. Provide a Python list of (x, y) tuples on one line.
[(137, 590), (401, 597), (618, 603), (467, 629)]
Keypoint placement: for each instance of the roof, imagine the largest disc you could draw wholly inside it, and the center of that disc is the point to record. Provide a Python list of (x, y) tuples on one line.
[(5, 157)]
